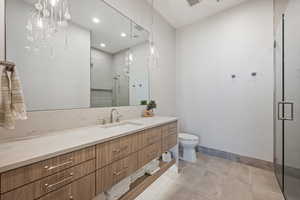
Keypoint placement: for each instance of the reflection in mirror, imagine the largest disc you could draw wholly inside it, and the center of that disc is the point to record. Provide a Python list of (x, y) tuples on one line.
[(76, 54)]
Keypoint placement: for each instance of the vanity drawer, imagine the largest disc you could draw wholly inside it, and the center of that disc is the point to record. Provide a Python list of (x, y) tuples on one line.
[(83, 189), (169, 129), (173, 125), (21, 176), (169, 142), (115, 172), (149, 153), (114, 150), (151, 136), (39, 188), (173, 128)]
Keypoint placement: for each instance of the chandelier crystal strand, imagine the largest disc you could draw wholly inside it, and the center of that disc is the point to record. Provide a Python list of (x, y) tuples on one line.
[(46, 19)]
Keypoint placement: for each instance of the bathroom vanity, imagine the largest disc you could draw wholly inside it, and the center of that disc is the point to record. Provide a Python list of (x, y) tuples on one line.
[(82, 163)]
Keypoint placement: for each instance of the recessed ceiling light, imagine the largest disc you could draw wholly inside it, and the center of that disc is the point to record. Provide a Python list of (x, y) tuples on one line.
[(123, 34), (103, 45), (96, 20)]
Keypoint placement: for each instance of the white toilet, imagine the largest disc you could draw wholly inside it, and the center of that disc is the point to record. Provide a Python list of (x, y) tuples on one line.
[(188, 144)]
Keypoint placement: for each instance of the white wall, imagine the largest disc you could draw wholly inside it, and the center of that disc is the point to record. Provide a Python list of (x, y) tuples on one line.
[(64, 76), (135, 87), (139, 74), (101, 75), (233, 115), (101, 78), (121, 81)]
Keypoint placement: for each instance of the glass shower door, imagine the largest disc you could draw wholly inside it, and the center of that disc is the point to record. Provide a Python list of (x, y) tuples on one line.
[(292, 101), (278, 129)]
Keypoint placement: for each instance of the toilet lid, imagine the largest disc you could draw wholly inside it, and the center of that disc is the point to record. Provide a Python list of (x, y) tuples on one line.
[(189, 137)]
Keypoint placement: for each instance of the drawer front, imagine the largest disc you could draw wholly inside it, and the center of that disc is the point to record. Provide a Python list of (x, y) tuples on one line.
[(114, 150), (169, 142), (115, 172), (169, 129), (149, 153), (21, 176), (83, 189), (151, 136), (51, 183)]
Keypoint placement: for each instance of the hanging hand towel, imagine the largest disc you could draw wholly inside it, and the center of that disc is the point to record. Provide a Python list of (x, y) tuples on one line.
[(12, 106)]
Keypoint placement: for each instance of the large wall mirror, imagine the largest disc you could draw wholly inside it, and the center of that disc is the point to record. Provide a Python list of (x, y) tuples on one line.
[(76, 54)]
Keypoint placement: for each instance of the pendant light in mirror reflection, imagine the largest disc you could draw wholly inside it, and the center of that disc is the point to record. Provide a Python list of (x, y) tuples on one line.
[(153, 51), (46, 19)]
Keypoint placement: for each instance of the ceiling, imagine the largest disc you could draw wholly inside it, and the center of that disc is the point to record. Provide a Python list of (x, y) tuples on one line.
[(108, 30), (179, 13)]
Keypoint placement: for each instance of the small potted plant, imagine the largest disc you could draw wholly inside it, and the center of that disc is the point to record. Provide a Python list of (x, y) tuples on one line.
[(144, 102), (149, 110)]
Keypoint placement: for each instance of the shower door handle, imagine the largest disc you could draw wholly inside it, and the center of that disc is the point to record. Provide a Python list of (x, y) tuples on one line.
[(281, 116)]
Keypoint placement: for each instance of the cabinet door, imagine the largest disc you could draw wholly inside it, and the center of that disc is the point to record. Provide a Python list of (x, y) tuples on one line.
[(115, 172), (169, 129), (61, 194), (169, 142), (46, 185), (113, 151), (28, 174), (83, 189), (149, 153), (151, 136)]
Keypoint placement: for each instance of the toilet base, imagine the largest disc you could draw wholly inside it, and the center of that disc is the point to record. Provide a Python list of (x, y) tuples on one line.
[(189, 155)]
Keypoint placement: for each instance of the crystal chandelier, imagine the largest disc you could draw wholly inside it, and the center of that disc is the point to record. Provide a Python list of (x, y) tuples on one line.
[(47, 17)]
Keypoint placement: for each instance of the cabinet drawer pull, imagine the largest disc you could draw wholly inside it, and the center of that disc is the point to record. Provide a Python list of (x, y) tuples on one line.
[(116, 150), (59, 165), (48, 187), (117, 173), (119, 150), (120, 172), (71, 197)]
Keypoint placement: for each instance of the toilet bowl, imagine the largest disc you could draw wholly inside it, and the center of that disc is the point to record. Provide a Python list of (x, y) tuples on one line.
[(188, 144)]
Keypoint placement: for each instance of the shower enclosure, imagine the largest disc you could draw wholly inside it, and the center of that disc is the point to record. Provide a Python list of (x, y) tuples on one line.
[(287, 96)]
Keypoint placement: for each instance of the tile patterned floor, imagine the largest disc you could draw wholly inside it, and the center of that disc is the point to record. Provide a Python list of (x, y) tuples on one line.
[(212, 178)]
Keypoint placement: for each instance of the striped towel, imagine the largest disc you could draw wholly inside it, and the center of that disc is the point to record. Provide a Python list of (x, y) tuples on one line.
[(12, 106)]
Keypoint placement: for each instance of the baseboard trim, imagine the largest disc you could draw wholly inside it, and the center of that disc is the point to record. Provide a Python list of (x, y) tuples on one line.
[(237, 158), (292, 171)]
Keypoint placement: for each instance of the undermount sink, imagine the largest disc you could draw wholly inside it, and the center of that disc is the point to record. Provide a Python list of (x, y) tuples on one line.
[(122, 125)]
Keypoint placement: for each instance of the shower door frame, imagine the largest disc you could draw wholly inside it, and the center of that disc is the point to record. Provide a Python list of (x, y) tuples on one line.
[(278, 116)]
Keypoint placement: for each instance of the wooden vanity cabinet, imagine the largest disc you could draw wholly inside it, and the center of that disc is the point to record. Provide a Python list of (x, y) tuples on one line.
[(82, 174)]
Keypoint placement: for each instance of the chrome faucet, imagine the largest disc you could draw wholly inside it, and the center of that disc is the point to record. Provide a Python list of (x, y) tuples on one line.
[(114, 110)]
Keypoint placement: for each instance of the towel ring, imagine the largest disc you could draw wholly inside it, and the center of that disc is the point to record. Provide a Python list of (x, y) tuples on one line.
[(9, 66)]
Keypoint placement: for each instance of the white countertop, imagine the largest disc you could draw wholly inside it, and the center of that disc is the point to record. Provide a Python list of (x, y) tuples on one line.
[(24, 152)]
